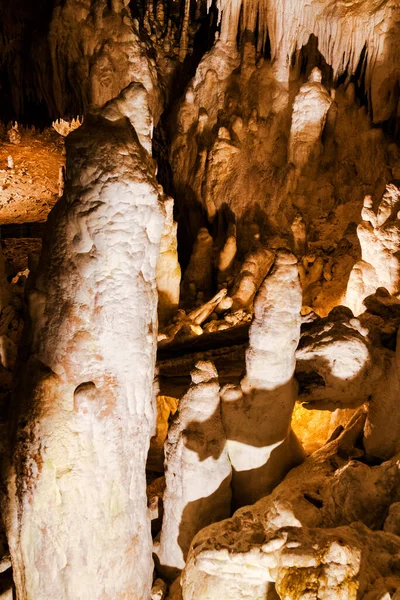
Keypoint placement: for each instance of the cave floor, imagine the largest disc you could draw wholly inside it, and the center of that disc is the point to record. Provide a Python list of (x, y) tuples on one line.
[(30, 189)]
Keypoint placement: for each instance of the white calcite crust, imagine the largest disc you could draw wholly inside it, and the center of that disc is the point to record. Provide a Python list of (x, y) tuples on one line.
[(314, 532)]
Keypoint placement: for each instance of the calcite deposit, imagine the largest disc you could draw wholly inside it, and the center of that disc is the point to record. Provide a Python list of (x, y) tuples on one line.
[(312, 533), (199, 300), (310, 109)]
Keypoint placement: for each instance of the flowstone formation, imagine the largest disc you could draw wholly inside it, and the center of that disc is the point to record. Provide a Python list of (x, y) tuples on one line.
[(310, 109), (312, 533), (203, 404)]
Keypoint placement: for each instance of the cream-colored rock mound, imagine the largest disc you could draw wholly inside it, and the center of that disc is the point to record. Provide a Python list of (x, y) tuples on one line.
[(379, 235)]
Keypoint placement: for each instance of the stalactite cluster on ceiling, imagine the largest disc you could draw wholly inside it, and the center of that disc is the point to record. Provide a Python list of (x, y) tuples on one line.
[(38, 59)]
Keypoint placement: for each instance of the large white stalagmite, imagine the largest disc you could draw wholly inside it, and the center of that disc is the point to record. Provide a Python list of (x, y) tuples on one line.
[(198, 471), (257, 416), (76, 512)]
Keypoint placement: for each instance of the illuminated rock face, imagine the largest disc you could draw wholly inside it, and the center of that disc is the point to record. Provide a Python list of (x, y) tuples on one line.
[(168, 268), (96, 51), (338, 361), (261, 161), (344, 30), (198, 471), (76, 514), (253, 271), (303, 536)]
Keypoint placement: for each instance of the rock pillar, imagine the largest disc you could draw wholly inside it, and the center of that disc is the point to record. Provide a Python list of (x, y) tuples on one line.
[(257, 415)]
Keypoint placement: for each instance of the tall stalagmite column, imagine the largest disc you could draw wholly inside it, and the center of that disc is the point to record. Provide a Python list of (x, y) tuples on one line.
[(256, 416), (76, 512)]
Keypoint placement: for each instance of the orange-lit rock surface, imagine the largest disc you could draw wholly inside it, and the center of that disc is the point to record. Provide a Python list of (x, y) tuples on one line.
[(29, 190)]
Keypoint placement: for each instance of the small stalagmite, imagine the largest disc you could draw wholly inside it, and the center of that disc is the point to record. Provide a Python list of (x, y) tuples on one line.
[(198, 471), (308, 119), (198, 275), (257, 416), (227, 255), (168, 268), (299, 235), (254, 269)]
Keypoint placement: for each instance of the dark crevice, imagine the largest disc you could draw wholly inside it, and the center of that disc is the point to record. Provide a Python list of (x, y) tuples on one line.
[(25, 60), (314, 500)]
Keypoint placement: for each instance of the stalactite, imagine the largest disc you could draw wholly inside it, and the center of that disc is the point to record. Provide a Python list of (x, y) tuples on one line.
[(183, 46), (343, 34)]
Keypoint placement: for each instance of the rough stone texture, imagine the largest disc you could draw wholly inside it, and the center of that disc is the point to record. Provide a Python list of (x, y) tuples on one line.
[(257, 415), (295, 528), (113, 54), (28, 186), (259, 160), (83, 414), (232, 131), (343, 31), (337, 363), (198, 471), (379, 236), (342, 364)]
